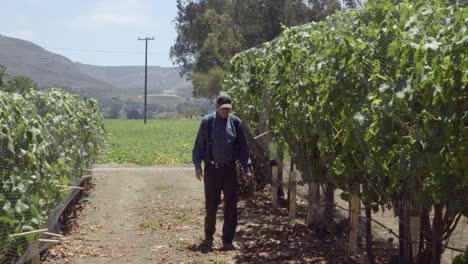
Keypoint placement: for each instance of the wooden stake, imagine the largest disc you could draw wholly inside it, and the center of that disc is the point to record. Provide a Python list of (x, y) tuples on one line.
[(415, 233), (70, 187), (29, 233), (274, 186), (36, 257), (52, 234), (292, 193), (49, 240), (261, 135), (86, 182), (354, 219), (313, 203)]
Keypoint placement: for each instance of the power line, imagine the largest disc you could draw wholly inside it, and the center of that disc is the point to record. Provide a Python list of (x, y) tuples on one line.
[(88, 50)]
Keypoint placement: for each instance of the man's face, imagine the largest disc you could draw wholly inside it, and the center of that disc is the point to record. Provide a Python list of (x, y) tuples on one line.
[(223, 112)]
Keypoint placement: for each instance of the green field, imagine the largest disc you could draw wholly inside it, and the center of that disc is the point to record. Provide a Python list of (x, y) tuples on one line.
[(159, 142)]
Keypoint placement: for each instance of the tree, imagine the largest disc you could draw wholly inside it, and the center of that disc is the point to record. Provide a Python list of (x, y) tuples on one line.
[(194, 21), (3, 74), (192, 112), (210, 32), (262, 20), (320, 9), (114, 112), (21, 84), (208, 84), (15, 84), (134, 114), (352, 3), (207, 38)]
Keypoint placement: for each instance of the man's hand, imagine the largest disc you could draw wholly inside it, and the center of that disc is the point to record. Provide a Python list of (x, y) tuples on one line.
[(248, 177), (199, 173)]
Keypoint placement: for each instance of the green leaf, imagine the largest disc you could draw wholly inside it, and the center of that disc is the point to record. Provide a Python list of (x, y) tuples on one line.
[(384, 87), (21, 207), (359, 118)]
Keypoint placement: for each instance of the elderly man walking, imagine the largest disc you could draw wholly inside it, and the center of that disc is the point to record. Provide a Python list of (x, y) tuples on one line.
[(221, 140)]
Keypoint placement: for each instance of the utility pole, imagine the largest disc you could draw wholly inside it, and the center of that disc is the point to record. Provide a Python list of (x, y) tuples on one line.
[(146, 68)]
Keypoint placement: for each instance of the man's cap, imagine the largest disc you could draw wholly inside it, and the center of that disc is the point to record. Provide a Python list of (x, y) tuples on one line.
[(224, 101)]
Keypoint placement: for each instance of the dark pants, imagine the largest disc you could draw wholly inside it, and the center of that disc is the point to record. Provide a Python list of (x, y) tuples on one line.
[(217, 180)]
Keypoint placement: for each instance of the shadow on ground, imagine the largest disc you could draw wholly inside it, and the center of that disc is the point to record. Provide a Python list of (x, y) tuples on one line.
[(266, 236)]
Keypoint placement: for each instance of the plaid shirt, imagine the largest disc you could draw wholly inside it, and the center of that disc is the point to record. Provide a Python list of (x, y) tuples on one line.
[(223, 136)]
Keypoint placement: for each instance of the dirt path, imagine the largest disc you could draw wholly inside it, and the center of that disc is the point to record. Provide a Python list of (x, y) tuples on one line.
[(155, 215), (139, 215)]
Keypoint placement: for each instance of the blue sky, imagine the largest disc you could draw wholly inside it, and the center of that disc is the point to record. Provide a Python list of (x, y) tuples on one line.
[(102, 25)]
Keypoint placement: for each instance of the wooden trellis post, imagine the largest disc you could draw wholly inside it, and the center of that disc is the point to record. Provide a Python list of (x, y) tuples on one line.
[(313, 202), (274, 183), (355, 205), (36, 258), (415, 233), (415, 229), (292, 193)]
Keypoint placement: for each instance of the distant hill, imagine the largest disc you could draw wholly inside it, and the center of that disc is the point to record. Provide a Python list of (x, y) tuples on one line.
[(48, 69), (160, 79)]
